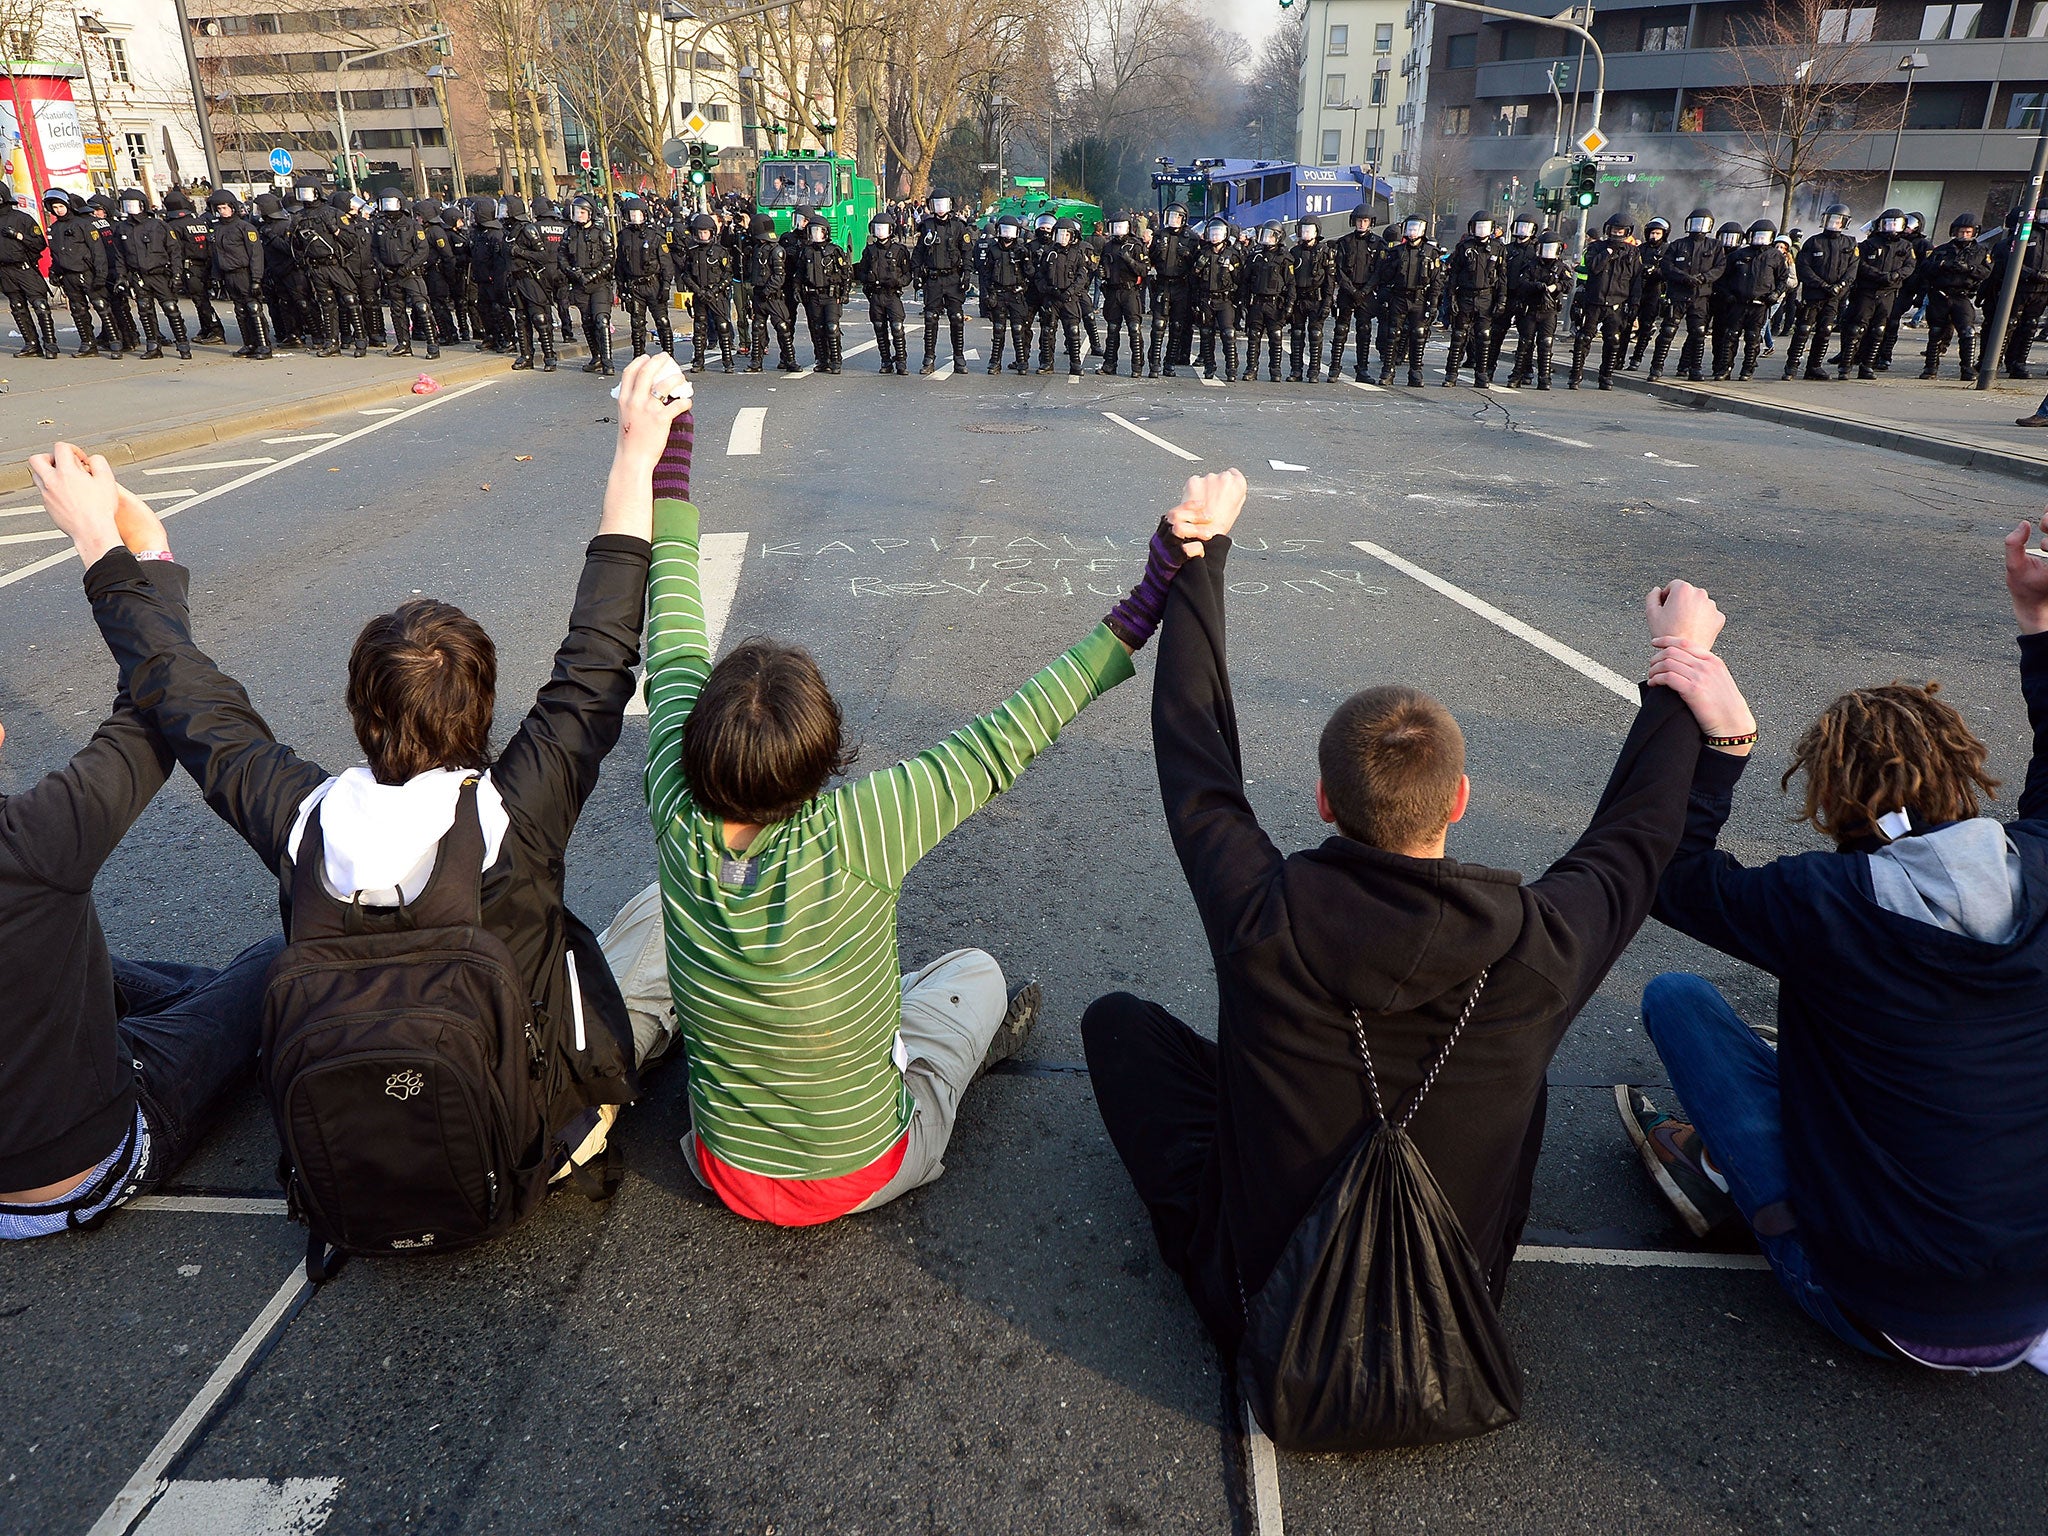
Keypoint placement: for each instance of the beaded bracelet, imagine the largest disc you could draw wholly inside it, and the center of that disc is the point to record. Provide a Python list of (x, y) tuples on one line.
[(1730, 741)]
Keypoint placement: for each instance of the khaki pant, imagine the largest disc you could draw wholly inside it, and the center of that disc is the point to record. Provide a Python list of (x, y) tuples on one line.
[(952, 1009)]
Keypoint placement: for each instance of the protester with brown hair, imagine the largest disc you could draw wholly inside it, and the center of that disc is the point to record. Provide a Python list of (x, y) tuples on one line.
[(1891, 1156)]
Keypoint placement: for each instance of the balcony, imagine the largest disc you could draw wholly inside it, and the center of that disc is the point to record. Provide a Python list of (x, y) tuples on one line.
[(1975, 60)]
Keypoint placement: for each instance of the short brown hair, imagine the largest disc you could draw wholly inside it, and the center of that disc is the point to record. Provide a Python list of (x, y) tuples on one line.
[(422, 684), (765, 735), (1392, 760), (1879, 750)]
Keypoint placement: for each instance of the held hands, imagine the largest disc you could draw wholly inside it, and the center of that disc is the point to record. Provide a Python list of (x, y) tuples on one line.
[(82, 497), (2026, 578), (1208, 509), (1681, 611), (652, 394), (1701, 678)]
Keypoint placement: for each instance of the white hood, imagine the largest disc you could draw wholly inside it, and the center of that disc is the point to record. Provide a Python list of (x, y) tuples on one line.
[(380, 838)]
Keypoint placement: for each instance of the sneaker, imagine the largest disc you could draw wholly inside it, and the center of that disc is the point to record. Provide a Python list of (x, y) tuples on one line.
[(1015, 1028), (1678, 1161)]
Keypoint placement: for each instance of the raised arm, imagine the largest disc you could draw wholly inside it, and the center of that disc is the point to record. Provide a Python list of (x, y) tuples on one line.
[(2026, 579)]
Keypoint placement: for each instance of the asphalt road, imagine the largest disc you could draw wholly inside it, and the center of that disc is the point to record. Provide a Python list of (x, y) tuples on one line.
[(1002, 1351)]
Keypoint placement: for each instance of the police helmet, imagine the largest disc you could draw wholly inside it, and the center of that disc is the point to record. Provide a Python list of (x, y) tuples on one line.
[(1008, 229), (1915, 222), (268, 205), (1414, 227), (134, 202), (175, 201), (1551, 246), (306, 192), (1835, 216), (1657, 229), (1217, 232), (1044, 223), (879, 227), (1620, 224), (1176, 215), (1120, 225), (636, 213), (802, 216), (56, 197), (1480, 224), (220, 199), (703, 226), (582, 211), (426, 210), (1763, 232), (1308, 231), (1961, 222), (1700, 222), (1523, 229), (763, 227), (513, 207), (1066, 231), (817, 231), (1892, 222), (1795, 235), (942, 204), (1269, 232), (1362, 216), (1729, 234)]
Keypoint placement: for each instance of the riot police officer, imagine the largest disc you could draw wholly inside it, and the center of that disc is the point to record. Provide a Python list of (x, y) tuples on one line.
[(322, 251), (531, 283), (100, 208), (1006, 273), (1952, 276), (1649, 316), (78, 260), (21, 277), (149, 255), (191, 229), (284, 287), (1691, 268), (442, 274), (1475, 276), (884, 270), (823, 279), (236, 250), (768, 286), (398, 244), (1355, 268), (490, 265), (1538, 277), (1064, 275), (1759, 273), (1268, 287), (945, 253), (646, 277), (1124, 267), (1214, 287), (1315, 288), (2030, 298), (1410, 277), (1608, 297), (586, 258), (1885, 259), (704, 271), (1172, 253), (1825, 267)]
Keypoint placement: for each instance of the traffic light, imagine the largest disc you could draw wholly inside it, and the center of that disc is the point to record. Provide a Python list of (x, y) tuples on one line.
[(703, 161), (1585, 184)]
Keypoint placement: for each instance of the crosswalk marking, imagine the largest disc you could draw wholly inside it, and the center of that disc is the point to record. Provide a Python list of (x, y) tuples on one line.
[(194, 469), (242, 1506), (745, 437), (301, 437)]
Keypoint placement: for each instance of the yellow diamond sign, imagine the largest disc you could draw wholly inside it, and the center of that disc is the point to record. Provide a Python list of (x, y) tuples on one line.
[(697, 122), (1592, 141)]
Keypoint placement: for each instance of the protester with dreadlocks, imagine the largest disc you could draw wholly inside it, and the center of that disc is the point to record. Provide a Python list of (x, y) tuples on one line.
[(1891, 1155)]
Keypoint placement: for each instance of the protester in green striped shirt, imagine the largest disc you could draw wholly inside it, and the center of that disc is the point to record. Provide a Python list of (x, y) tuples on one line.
[(821, 1081)]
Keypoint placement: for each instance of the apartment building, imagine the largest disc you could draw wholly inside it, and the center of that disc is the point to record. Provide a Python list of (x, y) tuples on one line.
[(1353, 90), (1959, 96)]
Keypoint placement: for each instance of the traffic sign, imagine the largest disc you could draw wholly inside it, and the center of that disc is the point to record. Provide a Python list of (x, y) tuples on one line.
[(1592, 141), (280, 162), (1028, 181), (583, 160), (1555, 173), (988, 165), (1615, 159), (674, 153), (696, 122)]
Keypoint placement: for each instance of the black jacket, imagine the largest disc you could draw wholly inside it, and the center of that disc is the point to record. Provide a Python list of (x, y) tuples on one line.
[(1826, 265), (66, 1095), (21, 238), (1299, 940), (545, 773), (1692, 265)]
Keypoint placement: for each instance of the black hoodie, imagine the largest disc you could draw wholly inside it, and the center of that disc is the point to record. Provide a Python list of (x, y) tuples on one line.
[(1299, 940)]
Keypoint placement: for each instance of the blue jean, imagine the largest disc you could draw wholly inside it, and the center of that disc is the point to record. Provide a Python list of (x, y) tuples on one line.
[(191, 1033), (1727, 1079)]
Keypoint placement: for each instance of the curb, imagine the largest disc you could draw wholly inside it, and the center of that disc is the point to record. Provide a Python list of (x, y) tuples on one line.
[(1961, 452), (132, 447)]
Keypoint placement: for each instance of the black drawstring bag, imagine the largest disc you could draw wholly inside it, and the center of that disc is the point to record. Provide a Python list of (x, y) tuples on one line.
[(1375, 1328)]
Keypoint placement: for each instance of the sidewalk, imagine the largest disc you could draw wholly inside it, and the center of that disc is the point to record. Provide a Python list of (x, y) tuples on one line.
[(132, 410), (1939, 419)]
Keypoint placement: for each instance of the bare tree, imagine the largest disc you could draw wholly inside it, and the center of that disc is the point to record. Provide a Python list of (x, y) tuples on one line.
[(1272, 93), (598, 68), (1809, 87), (1442, 167)]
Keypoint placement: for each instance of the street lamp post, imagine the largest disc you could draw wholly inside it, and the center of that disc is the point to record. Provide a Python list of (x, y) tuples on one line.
[(1912, 64), (206, 143), (439, 75), (84, 22), (1382, 87), (438, 35)]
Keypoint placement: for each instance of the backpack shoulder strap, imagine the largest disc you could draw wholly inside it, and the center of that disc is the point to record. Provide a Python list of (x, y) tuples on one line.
[(454, 892), (1436, 1065), (315, 914)]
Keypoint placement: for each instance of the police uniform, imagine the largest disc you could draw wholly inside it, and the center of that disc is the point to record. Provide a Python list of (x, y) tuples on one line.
[(1269, 290), (398, 244), (705, 270), (21, 278), (884, 270), (318, 240), (149, 257), (645, 278), (768, 285), (191, 229), (587, 258), (1172, 254), (236, 250), (945, 254), (823, 280), (1214, 287), (1006, 273), (1410, 277), (530, 281), (1124, 268)]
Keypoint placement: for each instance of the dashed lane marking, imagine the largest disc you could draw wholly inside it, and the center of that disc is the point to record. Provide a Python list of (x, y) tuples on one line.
[(1267, 1517), (1371, 389), (242, 1506), (1212, 383), (301, 437), (746, 431), (846, 352), (42, 536), (1582, 664), (148, 1483), (1552, 437), (185, 490), (330, 442), (719, 556), (195, 469), (211, 1205), (1153, 438), (381, 410), (1638, 1258)]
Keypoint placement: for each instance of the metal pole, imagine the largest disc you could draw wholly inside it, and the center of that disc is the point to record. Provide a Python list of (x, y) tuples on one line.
[(439, 34), (1557, 134), (93, 90), (697, 42), (206, 144), (1898, 134), (1994, 341)]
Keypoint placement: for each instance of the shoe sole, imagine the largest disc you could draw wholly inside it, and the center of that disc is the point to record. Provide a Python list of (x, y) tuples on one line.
[(1667, 1186), (1015, 1029)]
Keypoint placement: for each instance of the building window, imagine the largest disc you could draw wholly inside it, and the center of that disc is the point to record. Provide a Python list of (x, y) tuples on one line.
[(1664, 39), (138, 153), (1457, 122), (1379, 89), (1940, 23), (1383, 37), (1850, 26), (1333, 90), (2037, 20), (117, 60), (2024, 110), (719, 112), (1374, 146), (1340, 41), (1462, 51), (1510, 119), (1333, 145)]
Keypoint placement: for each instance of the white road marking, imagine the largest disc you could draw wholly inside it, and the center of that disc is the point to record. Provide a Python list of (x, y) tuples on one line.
[(300, 437), (1153, 438), (1286, 468), (194, 469), (866, 346), (1552, 437), (1371, 389), (1674, 463), (165, 495), (239, 481), (974, 354), (941, 373), (381, 410), (242, 1506), (1267, 1518), (20, 511), (746, 431), (719, 556), (1582, 664), (147, 1485), (210, 1205), (41, 536), (1638, 1258), (1212, 383)]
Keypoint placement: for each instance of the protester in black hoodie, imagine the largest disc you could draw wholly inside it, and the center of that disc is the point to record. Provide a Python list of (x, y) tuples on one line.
[(110, 1069), (1891, 1156), (1230, 1142)]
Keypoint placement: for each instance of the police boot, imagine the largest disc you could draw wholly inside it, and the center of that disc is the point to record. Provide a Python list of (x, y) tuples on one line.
[(589, 346), (1844, 358), (123, 323), (1109, 352), (901, 349), (832, 352), (263, 350), (1020, 347), (665, 333), (524, 342), (46, 324), (423, 324), (547, 344), (352, 316), (1582, 343), (245, 326), (995, 349), (703, 343), (330, 322), (602, 345), (931, 350), (1162, 353), (1792, 353), (1814, 370), (724, 348), (637, 324), (2019, 343), (1227, 342), (1273, 357), (1094, 332), (958, 326), (1934, 351), (1659, 354), (1966, 355), (401, 332), (184, 342), (1543, 362), (785, 347), (25, 322), (1750, 342)]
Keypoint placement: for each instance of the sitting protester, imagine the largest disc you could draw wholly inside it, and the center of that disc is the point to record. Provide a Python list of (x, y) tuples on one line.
[(1374, 940), (421, 696), (111, 1070), (820, 1082), (1891, 1156)]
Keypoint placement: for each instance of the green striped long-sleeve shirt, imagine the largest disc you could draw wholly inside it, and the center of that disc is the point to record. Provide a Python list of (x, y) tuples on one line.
[(787, 991)]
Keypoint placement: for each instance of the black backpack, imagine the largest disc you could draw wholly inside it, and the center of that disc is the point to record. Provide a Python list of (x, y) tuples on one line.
[(401, 1064), (1376, 1329)]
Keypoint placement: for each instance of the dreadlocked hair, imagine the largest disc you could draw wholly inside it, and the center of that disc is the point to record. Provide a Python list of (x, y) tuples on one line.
[(1879, 750)]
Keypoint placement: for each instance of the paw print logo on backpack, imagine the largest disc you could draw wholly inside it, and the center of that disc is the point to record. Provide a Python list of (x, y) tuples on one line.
[(403, 1085)]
